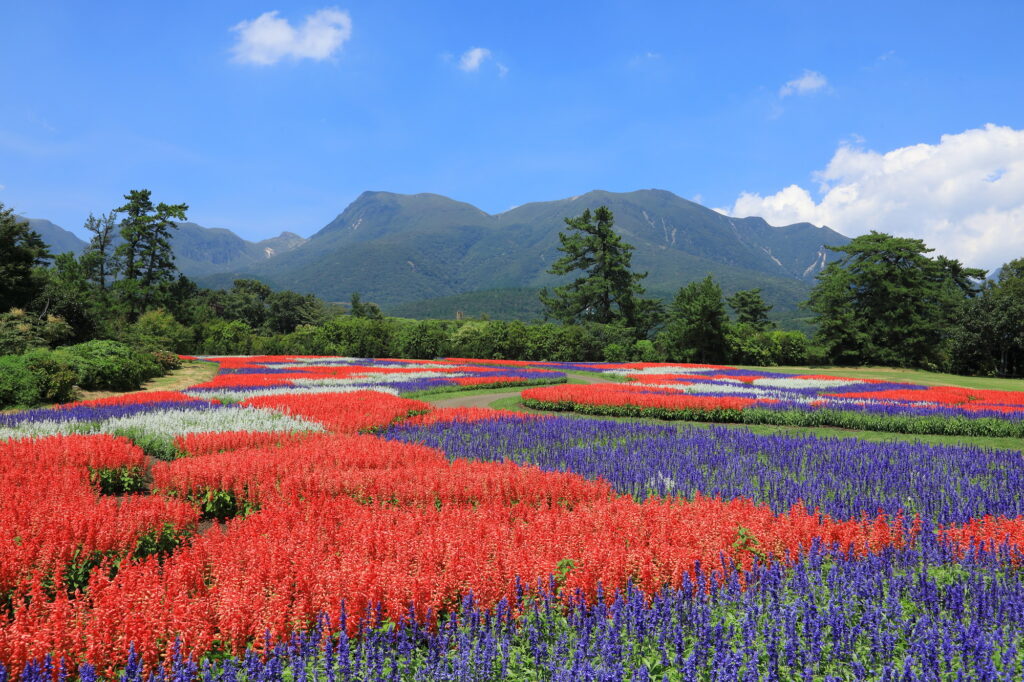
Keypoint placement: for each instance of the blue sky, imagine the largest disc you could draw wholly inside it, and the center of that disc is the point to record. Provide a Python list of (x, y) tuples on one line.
[(860, 115)]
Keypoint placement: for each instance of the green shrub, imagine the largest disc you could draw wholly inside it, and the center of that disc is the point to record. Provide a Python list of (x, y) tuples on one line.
[(110, 365), (158, 330), (35, 378)]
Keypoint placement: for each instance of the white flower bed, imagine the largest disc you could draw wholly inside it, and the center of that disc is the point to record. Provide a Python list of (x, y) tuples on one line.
[(775, 382), (171, 423), (378, 378), (664, 369), (240, 394)]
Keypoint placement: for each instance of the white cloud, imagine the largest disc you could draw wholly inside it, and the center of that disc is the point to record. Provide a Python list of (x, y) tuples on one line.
[(268, 38), (472, 58), (810, 81), (963, 196)]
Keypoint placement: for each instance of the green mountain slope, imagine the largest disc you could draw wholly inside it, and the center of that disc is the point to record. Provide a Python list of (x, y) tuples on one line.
[(57, 238), (397, 249)]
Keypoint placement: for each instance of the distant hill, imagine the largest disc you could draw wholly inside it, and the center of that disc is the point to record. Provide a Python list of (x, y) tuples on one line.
[(57, 238), (198, 250), (425, 255)]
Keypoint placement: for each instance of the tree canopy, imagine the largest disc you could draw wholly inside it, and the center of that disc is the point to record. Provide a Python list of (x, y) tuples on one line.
[(886, 302)]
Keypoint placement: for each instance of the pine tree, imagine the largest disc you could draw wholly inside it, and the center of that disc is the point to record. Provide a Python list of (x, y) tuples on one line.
[(751, 309), (22, 250), (98, 259), (696, 330), (608, 291), (144, 257)]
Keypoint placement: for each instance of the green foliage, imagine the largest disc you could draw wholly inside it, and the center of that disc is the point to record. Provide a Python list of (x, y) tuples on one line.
[(616, 352), (645, 351), (368, 310), (608, 291), (424, 340), (145, 260), (696, 329), (358, 337), (989, 334), (158, 330), (98, 260), (21, 331), (156, 445), (67, 293), (119, 481), (221, 337), (885, 302), (109, 365), (35, 378), (751, 309), (21, 251), (749, 346)]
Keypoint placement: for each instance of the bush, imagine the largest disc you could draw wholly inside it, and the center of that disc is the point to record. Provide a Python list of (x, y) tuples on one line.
[(158, 330), (35, 378), (167, 360), (110, 365)]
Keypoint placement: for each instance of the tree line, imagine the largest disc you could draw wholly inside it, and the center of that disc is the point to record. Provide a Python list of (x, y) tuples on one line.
[(884, 301)]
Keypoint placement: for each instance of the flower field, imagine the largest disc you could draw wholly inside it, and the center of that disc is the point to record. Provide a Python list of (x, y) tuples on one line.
[(299, 518), (728, 394)]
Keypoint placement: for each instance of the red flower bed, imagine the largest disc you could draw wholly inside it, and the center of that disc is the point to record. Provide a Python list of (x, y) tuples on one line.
[(206, 443), (139, 398), (343, 412), (52, 517), (624, 394)]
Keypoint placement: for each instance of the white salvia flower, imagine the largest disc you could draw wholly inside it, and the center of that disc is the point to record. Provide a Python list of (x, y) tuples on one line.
[(775, 382), (238, 395), (171, 423), (664, 369)]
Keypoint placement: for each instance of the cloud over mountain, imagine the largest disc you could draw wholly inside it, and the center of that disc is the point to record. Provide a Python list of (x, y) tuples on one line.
[(963, 196)]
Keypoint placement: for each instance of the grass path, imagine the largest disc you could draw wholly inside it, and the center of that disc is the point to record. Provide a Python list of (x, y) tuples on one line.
[(192, 372)]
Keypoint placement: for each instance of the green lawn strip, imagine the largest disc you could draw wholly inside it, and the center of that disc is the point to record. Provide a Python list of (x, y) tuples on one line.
[(909, 376), (446, 392), (513, 404)]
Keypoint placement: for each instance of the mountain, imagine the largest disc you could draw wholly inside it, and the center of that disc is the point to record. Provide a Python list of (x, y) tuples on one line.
[(198, 250), (57, 238), (400, 250)]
